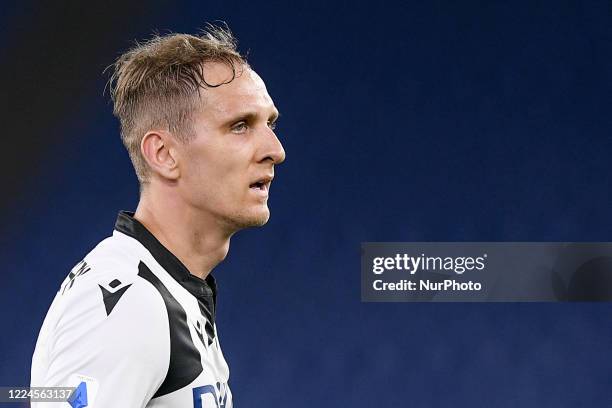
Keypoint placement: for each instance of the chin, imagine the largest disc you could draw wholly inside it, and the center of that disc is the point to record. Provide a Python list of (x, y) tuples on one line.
[(251, 219)]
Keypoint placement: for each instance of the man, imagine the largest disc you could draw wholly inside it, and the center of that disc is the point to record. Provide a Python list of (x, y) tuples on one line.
[(133, 324)]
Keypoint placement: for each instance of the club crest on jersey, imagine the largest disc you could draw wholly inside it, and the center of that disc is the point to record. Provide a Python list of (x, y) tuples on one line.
[(198, 328), (201, 326)]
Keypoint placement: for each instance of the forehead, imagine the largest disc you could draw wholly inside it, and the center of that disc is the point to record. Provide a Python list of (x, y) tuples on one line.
[(245, 93)]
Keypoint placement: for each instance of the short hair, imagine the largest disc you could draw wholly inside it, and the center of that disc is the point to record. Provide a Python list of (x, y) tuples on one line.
[(157, 83)]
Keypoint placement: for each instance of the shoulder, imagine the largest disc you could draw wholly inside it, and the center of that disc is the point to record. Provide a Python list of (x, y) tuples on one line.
[(104, 294), (105, 312), (111, 265)]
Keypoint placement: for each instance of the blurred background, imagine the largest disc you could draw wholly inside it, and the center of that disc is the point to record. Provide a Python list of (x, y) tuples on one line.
[(402, 121)]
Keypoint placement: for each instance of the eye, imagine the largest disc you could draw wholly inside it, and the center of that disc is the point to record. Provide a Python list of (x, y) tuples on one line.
[(272, 124), (239, 127)]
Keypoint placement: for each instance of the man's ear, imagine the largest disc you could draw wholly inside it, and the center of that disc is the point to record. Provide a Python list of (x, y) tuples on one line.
[(157, 148)]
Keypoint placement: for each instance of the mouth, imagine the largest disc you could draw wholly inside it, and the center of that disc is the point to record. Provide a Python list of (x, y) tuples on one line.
[(262, 185)]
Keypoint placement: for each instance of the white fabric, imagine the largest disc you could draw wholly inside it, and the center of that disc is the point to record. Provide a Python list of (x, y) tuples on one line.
[(122, 357)]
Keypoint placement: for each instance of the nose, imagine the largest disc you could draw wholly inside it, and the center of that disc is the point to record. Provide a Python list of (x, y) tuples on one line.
[(272, 149)]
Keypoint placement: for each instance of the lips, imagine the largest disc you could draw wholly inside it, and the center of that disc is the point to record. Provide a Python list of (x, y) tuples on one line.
[(258, 186), (262, 183)]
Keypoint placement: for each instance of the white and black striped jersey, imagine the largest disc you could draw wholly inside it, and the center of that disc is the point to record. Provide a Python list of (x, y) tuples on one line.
[(131, 327)]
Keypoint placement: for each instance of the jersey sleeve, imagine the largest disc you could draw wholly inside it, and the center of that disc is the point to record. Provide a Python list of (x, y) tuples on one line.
[(112, 341)]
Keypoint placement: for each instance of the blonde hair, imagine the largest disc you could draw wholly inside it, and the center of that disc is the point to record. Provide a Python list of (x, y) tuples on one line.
[(157, 84)]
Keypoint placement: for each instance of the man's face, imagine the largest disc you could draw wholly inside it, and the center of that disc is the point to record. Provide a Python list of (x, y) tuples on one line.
[(227, 168)]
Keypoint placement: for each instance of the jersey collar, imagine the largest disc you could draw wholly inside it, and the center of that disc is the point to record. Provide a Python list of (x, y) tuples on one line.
[(203, 289)]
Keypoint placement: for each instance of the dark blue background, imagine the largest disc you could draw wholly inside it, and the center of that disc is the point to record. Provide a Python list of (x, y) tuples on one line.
[(402, 121)]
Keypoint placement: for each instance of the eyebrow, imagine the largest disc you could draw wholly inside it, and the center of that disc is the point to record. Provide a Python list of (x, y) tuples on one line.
[(252, 115)]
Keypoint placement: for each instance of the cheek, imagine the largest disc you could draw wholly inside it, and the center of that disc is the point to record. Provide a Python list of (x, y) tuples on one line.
[(216, 177)]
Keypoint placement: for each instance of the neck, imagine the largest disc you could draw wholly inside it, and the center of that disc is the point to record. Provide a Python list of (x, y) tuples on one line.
[(197, 240)]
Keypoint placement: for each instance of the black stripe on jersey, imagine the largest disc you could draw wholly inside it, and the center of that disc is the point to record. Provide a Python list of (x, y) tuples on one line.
[(205, 290), (185, 364), (209, 316)]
